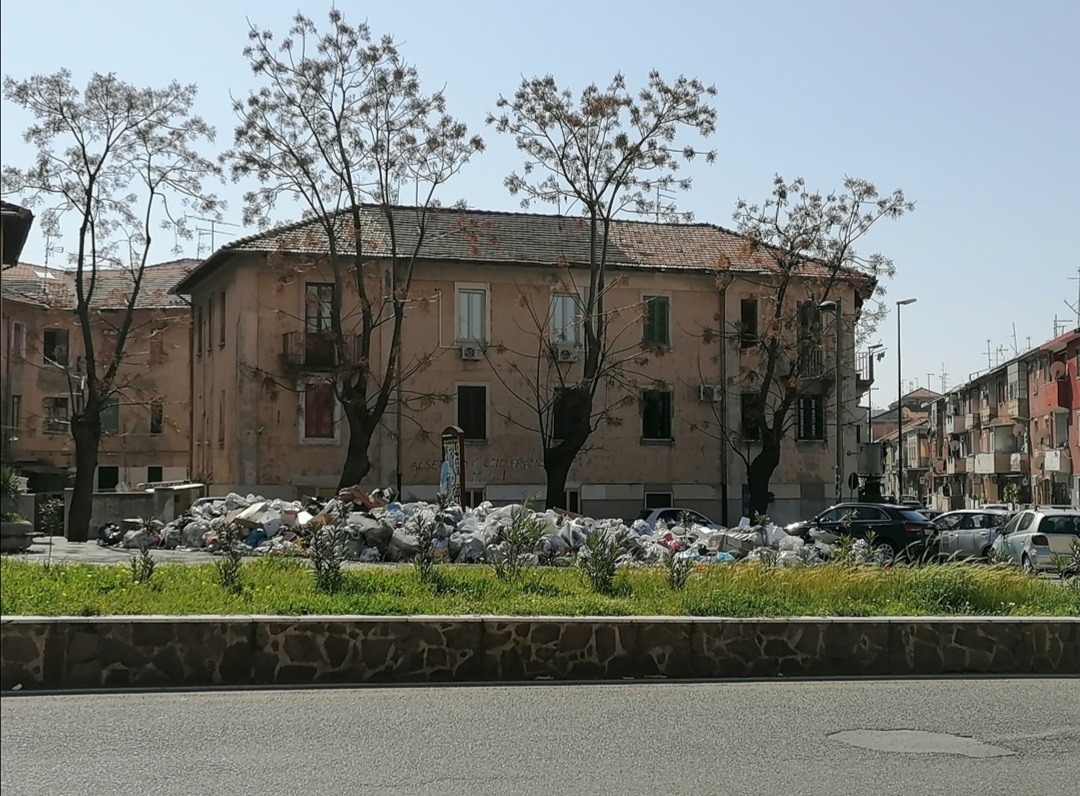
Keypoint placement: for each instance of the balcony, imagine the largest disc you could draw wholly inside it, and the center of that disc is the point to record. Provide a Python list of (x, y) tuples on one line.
[(311, 351), (1018, 462), (956, 466), (991, 463), (1018, 409), (956, 424), (1058, 395), (972, 420), (864, 372), (1057, 461), (812, 361), (987, 413)]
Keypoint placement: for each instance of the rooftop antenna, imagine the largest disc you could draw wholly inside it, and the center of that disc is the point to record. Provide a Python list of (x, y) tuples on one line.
[(661, 195), (1075, 309), (989, 361), (49, 249), (929, 385), (212, 231), (1016, 350), (944, 378)]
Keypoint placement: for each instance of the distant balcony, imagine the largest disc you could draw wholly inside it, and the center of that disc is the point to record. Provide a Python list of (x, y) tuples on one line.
[(992, 463), (987, 413), (1018, 409), (1057, 461), (956, 424), (956, 466), (314, 351), (972, 420), (864, 372), (1058, 395), (1018, 462)]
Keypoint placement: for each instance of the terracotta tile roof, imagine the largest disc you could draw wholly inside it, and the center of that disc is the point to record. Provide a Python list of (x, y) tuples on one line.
[(16, 221), (55, 287), (482, 236)]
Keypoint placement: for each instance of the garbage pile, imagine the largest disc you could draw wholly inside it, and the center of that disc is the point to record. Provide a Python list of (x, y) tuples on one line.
[(376, 527)]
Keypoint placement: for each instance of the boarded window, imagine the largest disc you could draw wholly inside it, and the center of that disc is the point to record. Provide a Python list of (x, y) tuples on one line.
[(751, 427), (110, 416), (157, 417), (572, 500), (811, 420), (16, 412), (18, 340), (472, 411), (154, 474), (657, 331), (656, 415), (221, 312), (472, 316), (210, 326), (564, 411), (198, 331), (55, 410), (55, 346), (221, 420), (748, 324), (157, 350), (319, 411), (108, 477)]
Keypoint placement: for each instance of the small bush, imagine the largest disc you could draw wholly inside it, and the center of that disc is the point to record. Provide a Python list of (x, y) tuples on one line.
[(228, 571), (424, 560), (600, 558), (678, 570), (519, 540), (327, 546), (51, 518), (142, 565)]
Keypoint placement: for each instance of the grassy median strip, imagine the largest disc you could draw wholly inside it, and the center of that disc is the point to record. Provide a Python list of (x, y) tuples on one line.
[(286, 587)]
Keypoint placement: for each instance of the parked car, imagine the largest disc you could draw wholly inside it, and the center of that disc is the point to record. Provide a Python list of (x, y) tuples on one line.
[(930, 514), (1034, 536), (895, 529), (671, 516), (968, 533)]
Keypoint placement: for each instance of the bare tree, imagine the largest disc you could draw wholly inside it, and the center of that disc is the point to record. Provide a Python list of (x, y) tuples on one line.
[(804, 245), (341, 125), (606, 152), (119, 161)]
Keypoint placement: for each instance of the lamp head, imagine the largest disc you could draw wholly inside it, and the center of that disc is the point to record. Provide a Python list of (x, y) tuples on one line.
[(905, 302)]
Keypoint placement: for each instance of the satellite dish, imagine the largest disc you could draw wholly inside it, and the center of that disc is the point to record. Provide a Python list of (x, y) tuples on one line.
[(1018, 430), (1025, 481), (1057, 369), (955, 445)]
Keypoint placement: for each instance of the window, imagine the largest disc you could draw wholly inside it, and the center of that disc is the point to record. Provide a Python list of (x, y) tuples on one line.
[(318, 306), (157, 416), (1025, 521), (56, 415), (869, 513), (566, 312), (572, 501), (55, 346), (210, 326), (110, 416), (16, 412), (656, 415), (108, 476), (198, 331), (657, 332), (564, 412), (157, 350), (657, 500), (318, 411), (751, 428), (18, 340), (221, 312), (811, 419), (809, 320), (472, 411), (748, 325), (154, 474), (471, 316), (221, 421), (1002, 391), (109, 340), (473, 497)]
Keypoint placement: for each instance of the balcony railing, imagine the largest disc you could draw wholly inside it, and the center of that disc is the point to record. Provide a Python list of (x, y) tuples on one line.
[(987, 413), (1018, 462), (1058, 396), (992, 463), (972, 420), (956, 424), (1018, 408), (812, 361), (1057, 461), (956, 465), (308, 350)]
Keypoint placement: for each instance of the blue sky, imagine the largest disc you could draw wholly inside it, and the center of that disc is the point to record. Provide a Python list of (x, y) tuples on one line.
[(971, 106)]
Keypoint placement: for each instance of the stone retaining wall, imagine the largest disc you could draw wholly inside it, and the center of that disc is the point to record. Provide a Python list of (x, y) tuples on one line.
[(75, 652)]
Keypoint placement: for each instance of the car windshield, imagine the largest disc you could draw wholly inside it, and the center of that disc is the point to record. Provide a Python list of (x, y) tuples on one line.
[(912, 516)]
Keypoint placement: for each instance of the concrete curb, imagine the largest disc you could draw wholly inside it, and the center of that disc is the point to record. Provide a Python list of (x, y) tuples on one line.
[(48, 653)]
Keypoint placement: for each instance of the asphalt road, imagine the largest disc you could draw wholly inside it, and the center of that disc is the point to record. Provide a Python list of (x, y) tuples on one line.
[(1020, 737)]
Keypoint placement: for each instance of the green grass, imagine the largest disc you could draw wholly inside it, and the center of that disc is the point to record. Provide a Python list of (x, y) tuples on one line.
[(285, 586)]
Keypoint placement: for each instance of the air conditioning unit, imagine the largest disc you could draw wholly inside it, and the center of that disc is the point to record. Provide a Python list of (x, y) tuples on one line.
[(472, 352), (567, 352), (710, 393)]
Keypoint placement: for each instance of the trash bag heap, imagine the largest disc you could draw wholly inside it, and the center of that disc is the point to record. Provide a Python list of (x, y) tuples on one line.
[(377, 528)]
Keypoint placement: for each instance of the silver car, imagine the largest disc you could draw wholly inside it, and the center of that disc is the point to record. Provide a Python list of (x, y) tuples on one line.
[(1035, 536), (968, 533)]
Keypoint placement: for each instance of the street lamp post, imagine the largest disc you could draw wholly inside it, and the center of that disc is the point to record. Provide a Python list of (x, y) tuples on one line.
[(870, 351), (835, 307), (900, 406)]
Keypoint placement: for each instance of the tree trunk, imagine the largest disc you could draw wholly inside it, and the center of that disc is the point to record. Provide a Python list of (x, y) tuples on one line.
[(759, 474), (86, 431), (357, 462), (557, 463)]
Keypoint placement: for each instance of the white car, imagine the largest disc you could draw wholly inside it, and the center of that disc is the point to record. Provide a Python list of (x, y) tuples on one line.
[(1033, 537), (667, 518)]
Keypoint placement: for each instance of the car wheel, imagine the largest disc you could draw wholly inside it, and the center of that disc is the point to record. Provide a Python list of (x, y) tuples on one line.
[(883, 553), (1025, 562), (987, 553)]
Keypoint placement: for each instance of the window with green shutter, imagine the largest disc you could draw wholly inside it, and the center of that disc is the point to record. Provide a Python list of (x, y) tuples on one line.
[(657, 332)]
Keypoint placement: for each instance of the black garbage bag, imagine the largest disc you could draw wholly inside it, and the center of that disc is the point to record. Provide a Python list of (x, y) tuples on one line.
[(109, 535)]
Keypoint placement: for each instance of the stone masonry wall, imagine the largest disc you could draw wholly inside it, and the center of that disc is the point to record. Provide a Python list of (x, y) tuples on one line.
[(137, 652)]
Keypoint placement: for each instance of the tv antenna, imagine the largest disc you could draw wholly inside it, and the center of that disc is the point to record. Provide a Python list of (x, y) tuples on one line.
[(1075, 309), (944, 378), (211, 232), (661, 195)]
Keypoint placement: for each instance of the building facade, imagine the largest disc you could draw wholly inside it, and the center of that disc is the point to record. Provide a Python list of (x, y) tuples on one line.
[(147, 426), (1010, 434), (265, 419)]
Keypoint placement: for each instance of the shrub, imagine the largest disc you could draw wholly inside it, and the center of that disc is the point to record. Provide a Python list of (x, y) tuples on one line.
[(678, 570), (142, 566), (599, 560), (519, 539), (327, 544), (228, 570), (51, 517)]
